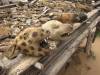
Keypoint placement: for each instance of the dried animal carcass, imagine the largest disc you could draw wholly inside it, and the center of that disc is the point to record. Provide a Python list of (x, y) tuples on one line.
[(28, 43), (69, 17), (58, 31)]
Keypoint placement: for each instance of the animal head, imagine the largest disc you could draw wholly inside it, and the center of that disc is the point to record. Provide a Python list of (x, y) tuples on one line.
[(81, 17), (57, 30)]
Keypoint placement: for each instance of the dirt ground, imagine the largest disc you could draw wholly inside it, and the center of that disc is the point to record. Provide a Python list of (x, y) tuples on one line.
[(85, 65)]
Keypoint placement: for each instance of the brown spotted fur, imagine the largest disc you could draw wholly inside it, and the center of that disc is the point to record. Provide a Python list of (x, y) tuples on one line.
[(27, 43)]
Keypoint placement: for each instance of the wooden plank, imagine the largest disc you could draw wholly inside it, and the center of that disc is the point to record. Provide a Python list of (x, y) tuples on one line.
[(90, 14), (24, 64), (17, 65)]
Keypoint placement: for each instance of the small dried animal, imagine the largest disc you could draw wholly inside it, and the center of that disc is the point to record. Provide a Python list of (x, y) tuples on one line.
[(28, 43), (70, 17), (57, 29)]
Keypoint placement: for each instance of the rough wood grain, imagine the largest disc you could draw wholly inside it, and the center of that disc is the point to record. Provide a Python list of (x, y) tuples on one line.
[(18, 65), (24, 64)]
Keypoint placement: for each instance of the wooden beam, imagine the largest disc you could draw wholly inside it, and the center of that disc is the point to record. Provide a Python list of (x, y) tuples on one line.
[(24, 64), (17, 65)]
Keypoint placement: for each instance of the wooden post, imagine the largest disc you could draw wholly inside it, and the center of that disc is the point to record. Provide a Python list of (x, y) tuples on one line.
[(89, 44), (89, 41)]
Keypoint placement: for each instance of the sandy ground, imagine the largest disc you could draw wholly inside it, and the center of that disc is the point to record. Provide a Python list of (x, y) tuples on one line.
[(82, 65)]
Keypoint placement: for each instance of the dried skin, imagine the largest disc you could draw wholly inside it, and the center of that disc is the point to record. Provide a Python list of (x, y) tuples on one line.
[(67, 17), (28, 43), (57, 29)]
